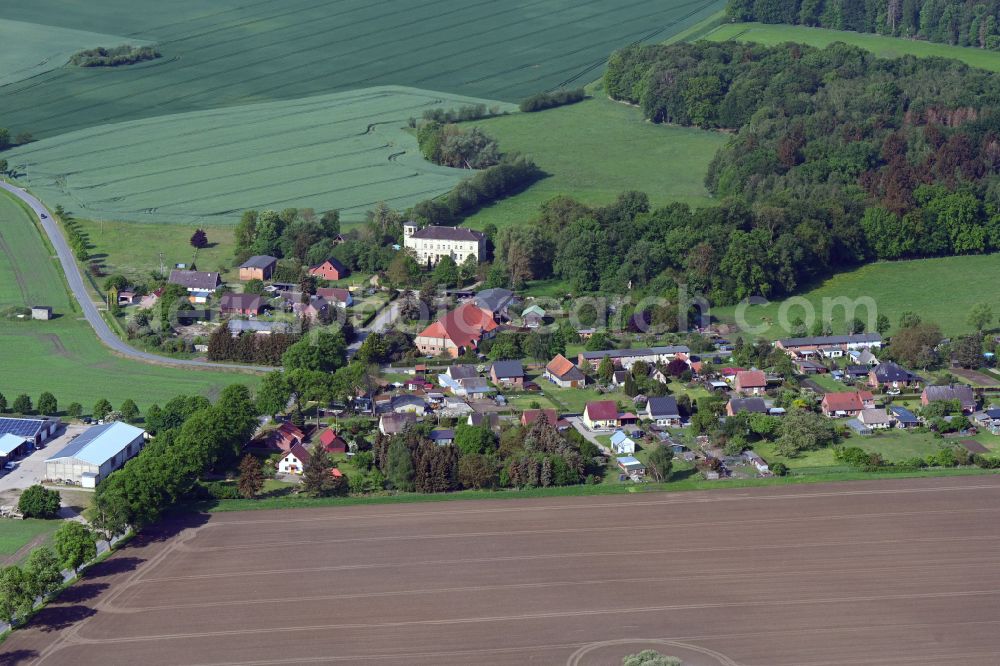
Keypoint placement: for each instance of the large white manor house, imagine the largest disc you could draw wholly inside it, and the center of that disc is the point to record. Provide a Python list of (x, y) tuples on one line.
[(432, 243)]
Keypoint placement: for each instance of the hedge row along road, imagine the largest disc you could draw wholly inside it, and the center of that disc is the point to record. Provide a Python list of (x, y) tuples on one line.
[(75, 280)]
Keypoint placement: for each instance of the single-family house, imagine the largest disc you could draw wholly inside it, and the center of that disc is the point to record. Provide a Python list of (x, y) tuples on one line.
[(750, 382), (533, 316), (294, 461), (408, 403), (631, 466), (892, 377), (875, 419), (847, 403), (626, 357), (337, 296), (960, 392), (529, 416), (128, 297), (391, 424), (622, 444), (496, 301), (330, 269), (807, 366), (561, 372), (454, 408), (663, 411), (464, 380), (507, 373), (442, 436), (988, 418), (829, 346), (903, 417), (245, 305), (750, 405), (461, 329), (96, 453), (312, 310), (619, 377), (332, 442), (479, 420), (863, 357), (285, 436), (200, 285), (601, 415), (854, 372), (258, 267)]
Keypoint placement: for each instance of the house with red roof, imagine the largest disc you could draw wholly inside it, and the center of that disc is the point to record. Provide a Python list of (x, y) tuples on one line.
[(338, 296), (331, 269), (332, 442), (601, 415), (847, 403), (294, 461), (457, 331), (286, 436), (561, 372), (531, 415), (750, 382)]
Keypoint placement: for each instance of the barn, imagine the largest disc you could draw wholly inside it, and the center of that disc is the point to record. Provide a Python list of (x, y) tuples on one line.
[(37, 431), (96, 453)]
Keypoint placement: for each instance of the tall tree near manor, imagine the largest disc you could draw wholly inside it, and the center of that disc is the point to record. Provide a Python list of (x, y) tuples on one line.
[(446, 272), (980, 316), (199, 239), (251, 479), (75, 543), (47, 404), (246, 232)]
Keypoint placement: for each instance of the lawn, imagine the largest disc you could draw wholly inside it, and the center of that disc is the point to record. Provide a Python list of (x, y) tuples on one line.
[(230, 52), (15, 534), (345, 150), (893, 287), (597, 149), (134, 249), (885, 47), (30, 49), (63, 355)]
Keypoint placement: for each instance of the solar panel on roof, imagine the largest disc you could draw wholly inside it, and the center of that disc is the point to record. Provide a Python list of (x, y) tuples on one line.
[(21, 427)]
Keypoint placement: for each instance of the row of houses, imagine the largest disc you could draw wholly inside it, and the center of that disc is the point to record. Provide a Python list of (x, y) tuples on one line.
[(604, 414), (261, 267)]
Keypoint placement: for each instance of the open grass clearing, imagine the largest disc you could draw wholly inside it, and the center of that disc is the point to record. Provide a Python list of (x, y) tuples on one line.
[(941, 290), (346, 151), (595, 150), (15, 534), (231, 52), (882, 46), (63, 355)]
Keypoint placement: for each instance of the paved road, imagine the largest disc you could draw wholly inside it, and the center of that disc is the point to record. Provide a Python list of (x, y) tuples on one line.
[(590, 435), (382, 321), (90, 311)]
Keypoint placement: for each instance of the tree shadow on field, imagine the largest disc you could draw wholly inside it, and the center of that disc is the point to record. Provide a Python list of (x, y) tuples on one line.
[(81, 592), (17, 657), (681, 474), (59, 617), (112, 567)]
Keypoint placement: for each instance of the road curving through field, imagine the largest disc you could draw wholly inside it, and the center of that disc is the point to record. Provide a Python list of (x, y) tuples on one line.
[(75, 280)]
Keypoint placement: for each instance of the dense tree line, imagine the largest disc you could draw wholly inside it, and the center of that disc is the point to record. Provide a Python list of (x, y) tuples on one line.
[(450, 145), (974, 23), (459, 115), (113, 57), (191, 437), (838, 157), (537, 456), (548, 100), (248, 347), (299, 236)]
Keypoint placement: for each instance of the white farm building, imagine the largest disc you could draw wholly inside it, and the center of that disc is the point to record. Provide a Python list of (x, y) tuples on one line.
[(96, 453)]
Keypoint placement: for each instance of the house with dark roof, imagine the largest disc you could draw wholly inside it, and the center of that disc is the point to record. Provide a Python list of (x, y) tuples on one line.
[(507, 373), (433, 243), (312, 310), (663, 411), (903, 417), (330, 269), (750, 405), (200, 285), (294, 461), (829, 346), (561, 372), (36, 431), (442, 436), (626, 357), (959, 392), (391, 424), (890, 376), (332, 442), (336, 295), (876, 419), (457, 331), (246, 305), (495, 301), (258, 267), (601, 415)]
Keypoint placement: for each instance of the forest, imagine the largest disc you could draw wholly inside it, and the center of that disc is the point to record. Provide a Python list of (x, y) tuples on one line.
[(964, 23), (836, 157)]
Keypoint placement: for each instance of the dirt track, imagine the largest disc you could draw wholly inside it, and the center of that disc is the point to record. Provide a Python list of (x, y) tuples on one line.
[(889, 573)]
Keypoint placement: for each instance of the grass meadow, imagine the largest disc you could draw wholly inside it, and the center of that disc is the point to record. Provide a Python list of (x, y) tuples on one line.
[(63, 355), (231, 52), (885, 47), (940, 290), (597, 149)]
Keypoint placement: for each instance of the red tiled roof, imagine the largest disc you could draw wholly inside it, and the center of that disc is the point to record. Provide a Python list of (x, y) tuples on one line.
[(560, 365), (332, 442), (287, 435), (602, 410), (751, 379), (464, 326), (336, 473), (531, 415), (337, 294), (849, 401)]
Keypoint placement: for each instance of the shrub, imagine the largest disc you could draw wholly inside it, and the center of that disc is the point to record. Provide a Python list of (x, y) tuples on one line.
[(548, 100), (39, 502), (120, 55)]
